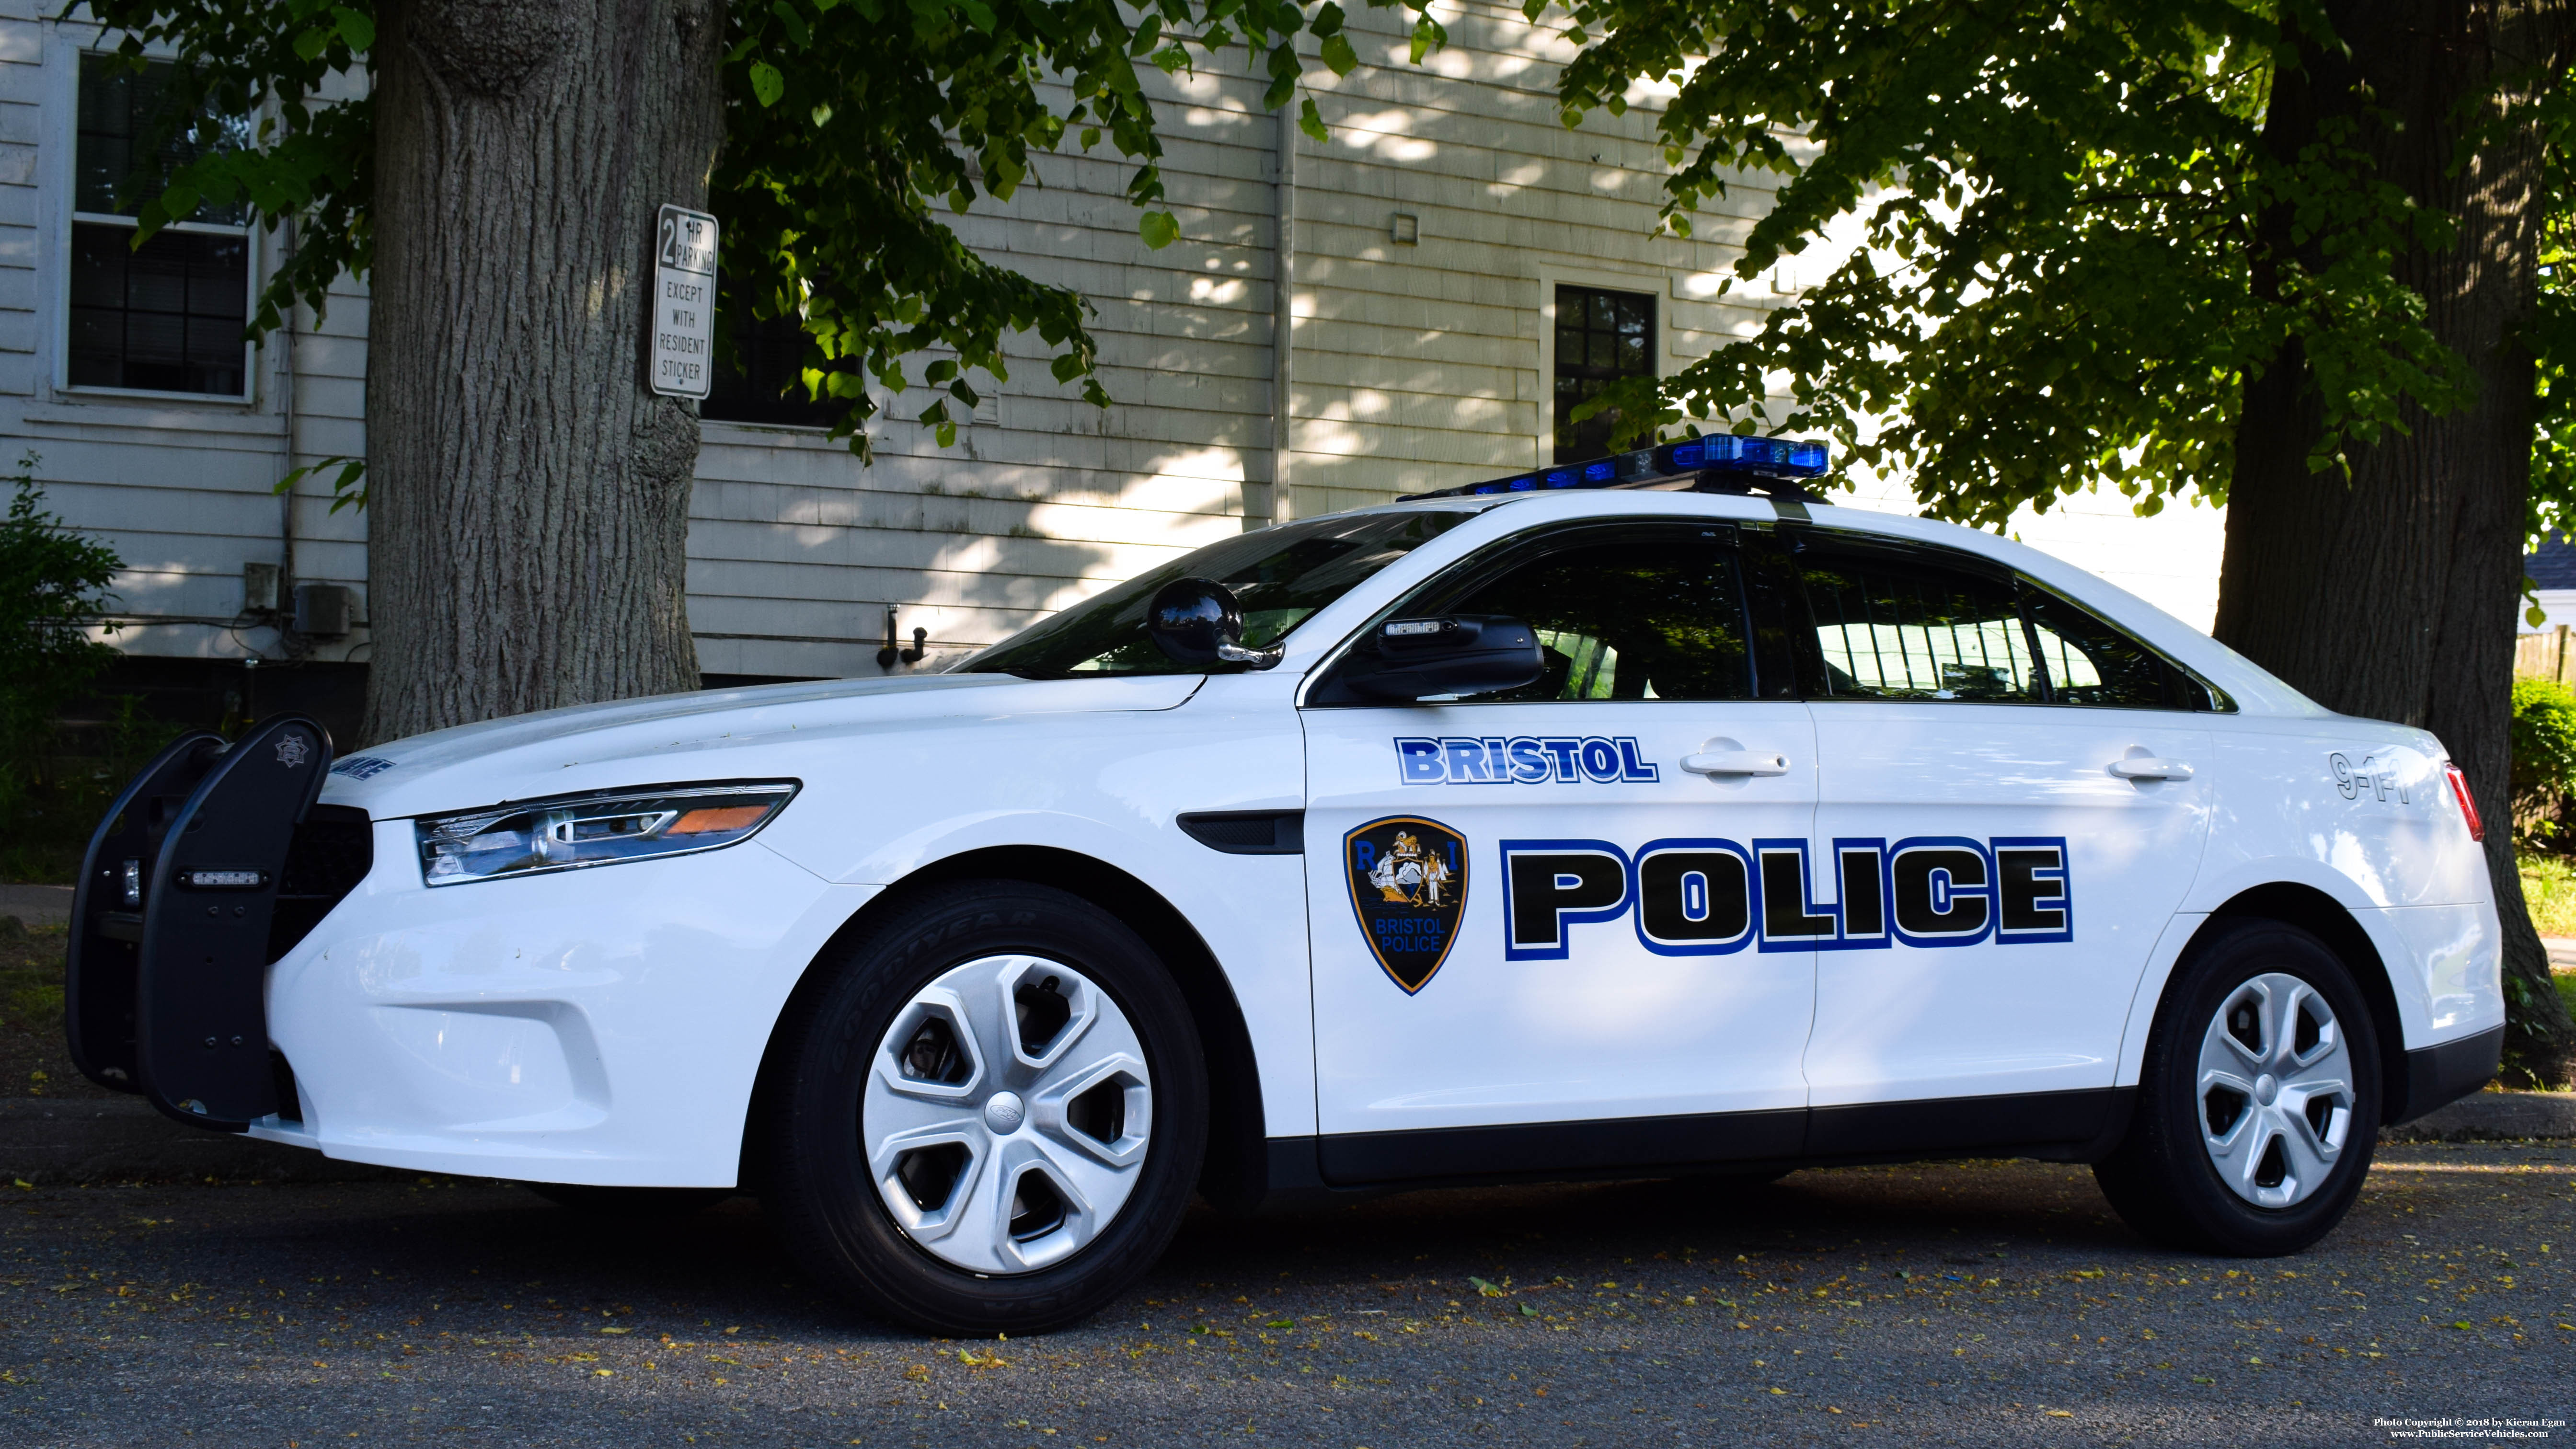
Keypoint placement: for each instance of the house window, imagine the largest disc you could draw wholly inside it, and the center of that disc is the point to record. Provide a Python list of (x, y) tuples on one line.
[(764, 382), (167, 316), (1601, 338)]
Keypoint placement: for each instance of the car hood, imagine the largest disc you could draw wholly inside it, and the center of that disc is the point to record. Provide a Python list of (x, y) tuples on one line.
[(711, 734)]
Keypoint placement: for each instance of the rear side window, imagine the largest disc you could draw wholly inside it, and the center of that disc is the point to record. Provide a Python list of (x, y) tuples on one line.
[(2089, 662), (1906, 622), (1892, 627)]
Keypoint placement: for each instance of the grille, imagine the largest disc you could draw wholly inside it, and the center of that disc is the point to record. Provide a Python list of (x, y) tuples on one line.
[(332, 851)]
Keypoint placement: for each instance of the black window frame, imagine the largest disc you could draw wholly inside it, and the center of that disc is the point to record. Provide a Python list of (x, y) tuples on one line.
[(756, 349), (1563, 434), (183, 248), (1443, 591)]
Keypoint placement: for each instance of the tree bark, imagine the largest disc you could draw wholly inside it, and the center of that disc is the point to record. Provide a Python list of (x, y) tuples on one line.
[(528, 498), (2391, 594)]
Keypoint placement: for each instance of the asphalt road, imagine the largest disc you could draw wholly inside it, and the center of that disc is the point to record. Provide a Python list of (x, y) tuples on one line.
[(1977, 1303)]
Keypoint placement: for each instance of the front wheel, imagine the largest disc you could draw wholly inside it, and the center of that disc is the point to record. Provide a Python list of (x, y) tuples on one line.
[(991, 1114), (2258, 1103)]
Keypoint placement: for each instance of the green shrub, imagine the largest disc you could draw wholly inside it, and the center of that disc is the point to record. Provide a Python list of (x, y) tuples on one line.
[(53, 591), (2544, 758)]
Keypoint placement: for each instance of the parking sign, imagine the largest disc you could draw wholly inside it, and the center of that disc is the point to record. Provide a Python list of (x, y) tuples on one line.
[(679, 359)]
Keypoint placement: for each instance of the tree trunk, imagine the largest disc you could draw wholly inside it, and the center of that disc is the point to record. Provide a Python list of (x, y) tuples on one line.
[(528, 499), (2392, 594)]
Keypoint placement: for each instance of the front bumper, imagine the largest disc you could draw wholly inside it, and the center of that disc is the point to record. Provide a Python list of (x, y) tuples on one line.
[(599, 1026)]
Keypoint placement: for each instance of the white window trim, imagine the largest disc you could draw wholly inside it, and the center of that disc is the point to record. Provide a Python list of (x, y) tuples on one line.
[(1656, 286), (56, 272)]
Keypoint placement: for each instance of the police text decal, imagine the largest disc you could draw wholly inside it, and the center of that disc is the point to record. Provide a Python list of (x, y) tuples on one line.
[(1710, 897)]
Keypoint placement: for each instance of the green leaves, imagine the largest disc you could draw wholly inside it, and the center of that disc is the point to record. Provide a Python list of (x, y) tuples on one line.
[(53, 590), (1428, 35), (852, 128), (348, 482), (354, 26), (2031, 238)]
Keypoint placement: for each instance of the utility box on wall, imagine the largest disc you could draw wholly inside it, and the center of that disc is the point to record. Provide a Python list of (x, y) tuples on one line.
[(322, 610)]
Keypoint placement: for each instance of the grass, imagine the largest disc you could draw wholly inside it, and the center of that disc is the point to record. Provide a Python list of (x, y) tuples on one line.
[(2549, 886), (34, 1062)]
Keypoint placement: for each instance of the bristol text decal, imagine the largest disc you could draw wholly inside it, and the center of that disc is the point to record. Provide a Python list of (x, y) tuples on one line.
[(1408, 880), (1711, 897), (1524, 760)]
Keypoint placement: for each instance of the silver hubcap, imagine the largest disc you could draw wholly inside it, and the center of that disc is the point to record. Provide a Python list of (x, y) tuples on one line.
[(1006, 1114), (2275, 1090)]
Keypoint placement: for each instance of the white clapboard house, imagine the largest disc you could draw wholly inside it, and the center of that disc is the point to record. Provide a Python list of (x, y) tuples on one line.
[(1413, 303)]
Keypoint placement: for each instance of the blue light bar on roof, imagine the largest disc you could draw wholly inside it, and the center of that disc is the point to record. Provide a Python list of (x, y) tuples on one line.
[(1710, 453)]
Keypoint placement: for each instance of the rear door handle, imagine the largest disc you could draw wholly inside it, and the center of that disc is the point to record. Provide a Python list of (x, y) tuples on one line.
[(1736, 762), (2148, 767)]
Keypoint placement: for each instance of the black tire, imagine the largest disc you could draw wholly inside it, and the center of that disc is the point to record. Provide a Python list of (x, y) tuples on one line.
[(817, 1186), (630, 1204), (2162, 1178)]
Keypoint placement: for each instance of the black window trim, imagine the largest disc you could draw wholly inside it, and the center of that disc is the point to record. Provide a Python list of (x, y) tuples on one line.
[(74, 217), (1560, 448)]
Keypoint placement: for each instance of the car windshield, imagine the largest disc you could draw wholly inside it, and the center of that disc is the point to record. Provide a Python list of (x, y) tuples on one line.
[(1279, 575)]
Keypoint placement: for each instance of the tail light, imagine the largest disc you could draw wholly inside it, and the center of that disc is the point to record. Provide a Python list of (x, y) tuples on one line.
[(2468, 807)]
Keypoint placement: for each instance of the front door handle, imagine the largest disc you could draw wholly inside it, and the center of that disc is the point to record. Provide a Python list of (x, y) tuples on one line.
[(2149, 767), (1736, 762)]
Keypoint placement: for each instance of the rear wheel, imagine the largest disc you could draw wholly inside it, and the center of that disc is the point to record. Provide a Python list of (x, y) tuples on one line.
[(991, 1114), (2258, 1104)]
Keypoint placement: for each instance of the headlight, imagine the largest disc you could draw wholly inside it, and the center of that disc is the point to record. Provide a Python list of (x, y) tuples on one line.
[(573, 831)]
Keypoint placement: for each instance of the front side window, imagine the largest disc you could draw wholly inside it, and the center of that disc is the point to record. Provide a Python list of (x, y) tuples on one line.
[(167, 316), (1279, 576), (1892, 627), (1654, 615)]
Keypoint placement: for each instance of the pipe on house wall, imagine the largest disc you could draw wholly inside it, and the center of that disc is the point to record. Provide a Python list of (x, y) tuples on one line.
[(1283, 322)]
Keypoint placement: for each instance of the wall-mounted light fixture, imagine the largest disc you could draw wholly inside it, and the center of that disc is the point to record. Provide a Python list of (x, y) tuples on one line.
[(893, 651)]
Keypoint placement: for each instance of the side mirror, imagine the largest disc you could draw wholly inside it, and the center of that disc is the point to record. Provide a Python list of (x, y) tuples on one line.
[(1409, 659), (1198, 623)]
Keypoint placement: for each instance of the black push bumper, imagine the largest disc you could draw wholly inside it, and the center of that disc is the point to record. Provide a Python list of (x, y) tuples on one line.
[(209, 866)]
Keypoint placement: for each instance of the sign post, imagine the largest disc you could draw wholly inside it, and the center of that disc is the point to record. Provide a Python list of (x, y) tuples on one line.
[(680, 353)]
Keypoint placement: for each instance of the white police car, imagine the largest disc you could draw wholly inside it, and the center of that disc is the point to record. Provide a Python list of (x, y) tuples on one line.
[(1612, 820)]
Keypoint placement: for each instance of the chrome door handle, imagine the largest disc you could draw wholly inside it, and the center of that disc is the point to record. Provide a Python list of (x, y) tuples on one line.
[(2148, 767), (1736, 762)]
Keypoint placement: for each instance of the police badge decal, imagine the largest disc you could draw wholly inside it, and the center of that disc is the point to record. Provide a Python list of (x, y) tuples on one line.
[(1409, 888)]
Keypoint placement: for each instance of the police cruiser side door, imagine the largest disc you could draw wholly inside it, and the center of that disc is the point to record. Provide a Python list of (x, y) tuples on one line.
[(2009, 800), (1541, 907)]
